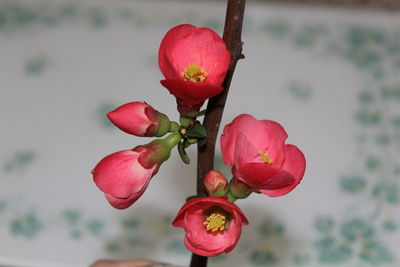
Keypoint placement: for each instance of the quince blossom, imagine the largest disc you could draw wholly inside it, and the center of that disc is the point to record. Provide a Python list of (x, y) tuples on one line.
[(260, 158), (194, 62), (212, 224)]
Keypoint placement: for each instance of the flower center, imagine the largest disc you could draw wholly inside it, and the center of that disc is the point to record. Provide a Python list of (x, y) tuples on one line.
[(265, 157), (216, 221), (194, 73)]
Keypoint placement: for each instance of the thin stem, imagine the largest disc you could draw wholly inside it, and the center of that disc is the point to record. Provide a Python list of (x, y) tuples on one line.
[(215, 108)]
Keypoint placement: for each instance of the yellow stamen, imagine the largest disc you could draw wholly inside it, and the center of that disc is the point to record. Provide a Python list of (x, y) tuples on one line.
[(182, 131), (194, 73), (216, 221), (265, 157)]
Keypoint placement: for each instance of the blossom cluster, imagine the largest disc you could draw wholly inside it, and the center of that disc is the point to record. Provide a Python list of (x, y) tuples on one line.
[(194, 62)]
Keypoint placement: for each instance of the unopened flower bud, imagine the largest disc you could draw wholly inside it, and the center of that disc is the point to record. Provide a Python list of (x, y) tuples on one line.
[(238, 189), (124, 176), (215, 183), (140, 119)]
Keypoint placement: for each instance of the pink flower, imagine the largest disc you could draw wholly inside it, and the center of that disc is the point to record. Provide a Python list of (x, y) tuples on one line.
[(215, 183), (260, 158), (139, 119), (124, 176), (194, 62), (212, 224)]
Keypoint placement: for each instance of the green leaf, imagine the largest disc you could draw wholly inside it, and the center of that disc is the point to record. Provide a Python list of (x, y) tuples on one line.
[(185, 158), (197, 131)]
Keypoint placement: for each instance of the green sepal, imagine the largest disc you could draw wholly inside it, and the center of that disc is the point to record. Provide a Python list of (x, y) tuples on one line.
[(238, 190), (185, 121), (174, 126), (185, 158), (186, 144), (158, 150), (231, 198), (197, 131), (163, 125)]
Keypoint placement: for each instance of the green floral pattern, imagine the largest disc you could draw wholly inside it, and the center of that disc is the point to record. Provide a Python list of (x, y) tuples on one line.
[(355, 235)]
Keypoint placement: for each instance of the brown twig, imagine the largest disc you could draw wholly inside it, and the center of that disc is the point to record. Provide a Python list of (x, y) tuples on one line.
[(215, 108)]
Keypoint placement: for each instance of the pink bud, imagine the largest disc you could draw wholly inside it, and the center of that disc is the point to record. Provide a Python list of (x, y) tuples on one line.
[(139, 119), (215, 183), (122, 178), (238, 189)]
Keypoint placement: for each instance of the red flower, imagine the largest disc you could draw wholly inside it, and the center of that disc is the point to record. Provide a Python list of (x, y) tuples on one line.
[(139, 119), (212, 224), (194, 62), (124, 176), (260, 158)]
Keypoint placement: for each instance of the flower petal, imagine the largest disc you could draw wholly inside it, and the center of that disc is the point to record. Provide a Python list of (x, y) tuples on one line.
[(123, 203), (186, 44), (168, 42), (295, 164), (261, 176), (273, 139), (231, 131), (121, 175), (245, 151), (266, 136), (207, 243), (191, 94), (131, 118), (221, 201)]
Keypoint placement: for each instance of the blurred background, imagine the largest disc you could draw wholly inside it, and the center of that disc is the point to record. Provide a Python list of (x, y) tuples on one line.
[(329, 75)]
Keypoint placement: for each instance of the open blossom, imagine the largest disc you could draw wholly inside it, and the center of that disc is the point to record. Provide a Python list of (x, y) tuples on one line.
[(212, 224), (194, 62), (124, 176), (139, 119), (260, 158)]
